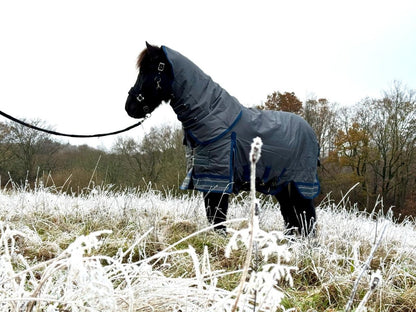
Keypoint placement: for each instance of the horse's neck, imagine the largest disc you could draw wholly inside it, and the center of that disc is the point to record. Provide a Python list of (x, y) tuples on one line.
[(205, 109), (190, 86)]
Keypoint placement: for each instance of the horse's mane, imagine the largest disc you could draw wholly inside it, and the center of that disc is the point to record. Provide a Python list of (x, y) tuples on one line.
[(140, 58)]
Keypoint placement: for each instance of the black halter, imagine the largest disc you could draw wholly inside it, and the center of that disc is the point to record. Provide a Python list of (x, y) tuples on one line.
[(158, 80)]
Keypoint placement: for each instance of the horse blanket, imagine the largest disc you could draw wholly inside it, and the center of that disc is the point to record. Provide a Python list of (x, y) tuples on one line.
[(219, 132)]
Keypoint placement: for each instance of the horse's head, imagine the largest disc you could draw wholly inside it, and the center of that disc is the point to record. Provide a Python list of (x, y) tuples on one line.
[(153, 84)]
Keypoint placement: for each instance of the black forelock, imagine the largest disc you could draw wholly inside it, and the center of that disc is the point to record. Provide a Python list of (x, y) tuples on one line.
[(150, 53)]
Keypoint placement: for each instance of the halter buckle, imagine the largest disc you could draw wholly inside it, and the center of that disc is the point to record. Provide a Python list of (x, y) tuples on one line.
[(161, 67)]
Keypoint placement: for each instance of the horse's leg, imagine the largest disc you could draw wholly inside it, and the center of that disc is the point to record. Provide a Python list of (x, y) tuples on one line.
[(305, 210), (298, 212), (216, 207), (288, 211)]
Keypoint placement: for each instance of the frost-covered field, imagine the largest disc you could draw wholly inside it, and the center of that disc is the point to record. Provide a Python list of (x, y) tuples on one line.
[(147, 251)]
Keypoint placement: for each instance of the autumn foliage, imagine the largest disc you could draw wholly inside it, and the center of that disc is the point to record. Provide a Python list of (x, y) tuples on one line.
[(372, 143), (287, 102)]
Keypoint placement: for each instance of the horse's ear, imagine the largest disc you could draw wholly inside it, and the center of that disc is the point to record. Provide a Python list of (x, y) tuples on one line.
[(151, 49)]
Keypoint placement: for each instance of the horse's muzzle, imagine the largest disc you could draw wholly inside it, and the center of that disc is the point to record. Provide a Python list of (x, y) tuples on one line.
[(132, 107)]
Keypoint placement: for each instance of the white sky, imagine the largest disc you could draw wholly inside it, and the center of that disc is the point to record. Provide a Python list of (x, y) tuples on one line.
[(71, 63)]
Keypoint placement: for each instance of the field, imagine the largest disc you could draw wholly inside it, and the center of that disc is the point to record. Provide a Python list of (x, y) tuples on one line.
[(143, 250)]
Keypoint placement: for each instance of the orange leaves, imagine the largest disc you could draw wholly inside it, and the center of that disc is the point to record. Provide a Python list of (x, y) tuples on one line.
[(352, 148), (287, 102)]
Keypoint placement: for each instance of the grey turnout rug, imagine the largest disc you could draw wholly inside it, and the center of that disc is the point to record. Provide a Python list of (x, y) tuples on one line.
[(219, 132)]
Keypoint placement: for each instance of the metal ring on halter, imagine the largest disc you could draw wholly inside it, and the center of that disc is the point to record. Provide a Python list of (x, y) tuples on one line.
[(140, 97)]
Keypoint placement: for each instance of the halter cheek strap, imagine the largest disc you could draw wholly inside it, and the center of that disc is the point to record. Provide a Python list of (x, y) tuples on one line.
[(158, 79)]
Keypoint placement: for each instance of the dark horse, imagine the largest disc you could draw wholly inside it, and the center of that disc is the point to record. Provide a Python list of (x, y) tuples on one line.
[(218, 132)]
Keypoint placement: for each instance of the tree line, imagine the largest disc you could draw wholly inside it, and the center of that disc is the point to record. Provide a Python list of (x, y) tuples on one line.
[(29, 157), (371, 143)]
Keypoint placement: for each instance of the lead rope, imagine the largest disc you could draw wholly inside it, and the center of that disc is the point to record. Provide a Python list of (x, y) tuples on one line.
[(72, 135)]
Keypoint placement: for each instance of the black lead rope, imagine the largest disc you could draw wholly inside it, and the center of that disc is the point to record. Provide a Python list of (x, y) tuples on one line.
[(71, 135)]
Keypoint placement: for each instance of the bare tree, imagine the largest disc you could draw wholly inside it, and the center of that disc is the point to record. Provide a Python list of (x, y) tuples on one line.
[(394, 136), (159, 158), (322, 116), (6, 153), (26, 146)]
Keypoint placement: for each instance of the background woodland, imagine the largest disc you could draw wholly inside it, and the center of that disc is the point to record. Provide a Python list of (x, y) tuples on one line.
[(372, 143)]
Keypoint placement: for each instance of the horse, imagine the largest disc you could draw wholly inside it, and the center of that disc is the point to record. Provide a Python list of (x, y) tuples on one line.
[(218, 131)]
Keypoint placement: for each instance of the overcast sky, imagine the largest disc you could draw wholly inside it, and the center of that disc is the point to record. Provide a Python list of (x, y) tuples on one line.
[(71, 63)]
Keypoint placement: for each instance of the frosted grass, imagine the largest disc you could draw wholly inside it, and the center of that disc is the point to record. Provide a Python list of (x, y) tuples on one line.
[(74, 278)]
